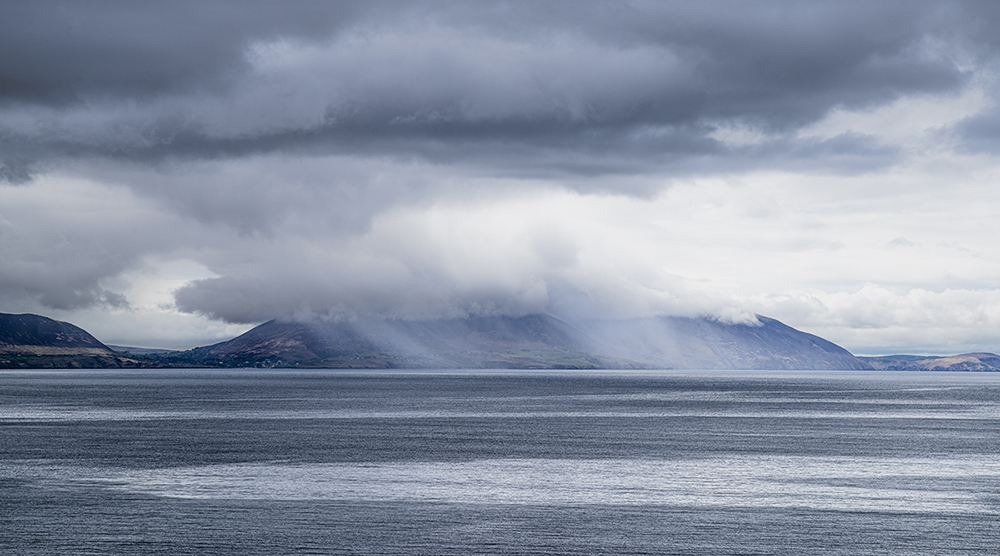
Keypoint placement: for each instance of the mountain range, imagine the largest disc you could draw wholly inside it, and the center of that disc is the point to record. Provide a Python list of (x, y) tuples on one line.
[(530, 341)]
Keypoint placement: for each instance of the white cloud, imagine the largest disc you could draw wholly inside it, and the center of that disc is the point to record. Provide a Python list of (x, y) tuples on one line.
[(882, 257), (878, 320), (912, 122)]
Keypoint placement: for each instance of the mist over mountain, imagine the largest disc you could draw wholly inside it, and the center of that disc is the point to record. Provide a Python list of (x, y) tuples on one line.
[(534, 341), (703, 343), (531, 341), (476, 342)]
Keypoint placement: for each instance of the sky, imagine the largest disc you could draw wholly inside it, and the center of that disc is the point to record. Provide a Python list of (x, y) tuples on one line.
[(173, 173)]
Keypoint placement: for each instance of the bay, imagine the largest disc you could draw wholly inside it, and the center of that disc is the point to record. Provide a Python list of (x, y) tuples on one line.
[(498, 462)]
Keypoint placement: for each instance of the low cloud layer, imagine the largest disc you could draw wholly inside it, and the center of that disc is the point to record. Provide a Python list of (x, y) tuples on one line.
[(190, 165)]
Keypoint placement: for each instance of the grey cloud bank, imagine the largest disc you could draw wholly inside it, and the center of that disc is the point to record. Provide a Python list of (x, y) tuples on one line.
[(420, 159), (517, 87)]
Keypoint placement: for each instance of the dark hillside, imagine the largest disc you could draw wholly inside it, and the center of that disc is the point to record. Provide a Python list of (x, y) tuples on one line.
[(35, 342), (34, 334), (532, 341)]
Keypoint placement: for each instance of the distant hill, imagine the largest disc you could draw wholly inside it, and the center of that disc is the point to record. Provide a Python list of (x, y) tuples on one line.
[(532, 341), (963, 362), (702, 343), (36, 335), (132, 350), (33, 342)]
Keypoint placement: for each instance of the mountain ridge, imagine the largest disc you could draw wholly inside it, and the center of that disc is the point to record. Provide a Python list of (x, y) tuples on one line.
[(530, 341), (535, 341), (685, 342)]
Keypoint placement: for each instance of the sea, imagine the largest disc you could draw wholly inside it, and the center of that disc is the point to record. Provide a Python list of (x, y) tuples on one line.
[(280, 461)]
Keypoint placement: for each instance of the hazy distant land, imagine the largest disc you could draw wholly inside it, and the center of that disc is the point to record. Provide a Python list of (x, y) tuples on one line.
[(527, 342)]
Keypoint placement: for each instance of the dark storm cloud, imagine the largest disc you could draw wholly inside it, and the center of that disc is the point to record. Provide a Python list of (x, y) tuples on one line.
[(59, 52), (581, 87)]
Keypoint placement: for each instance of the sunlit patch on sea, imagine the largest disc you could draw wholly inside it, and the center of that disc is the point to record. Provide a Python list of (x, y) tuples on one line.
[(332, 462), (837, 484)]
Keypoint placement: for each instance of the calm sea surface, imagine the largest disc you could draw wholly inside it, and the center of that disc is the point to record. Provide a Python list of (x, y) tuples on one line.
[(337, 462)]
